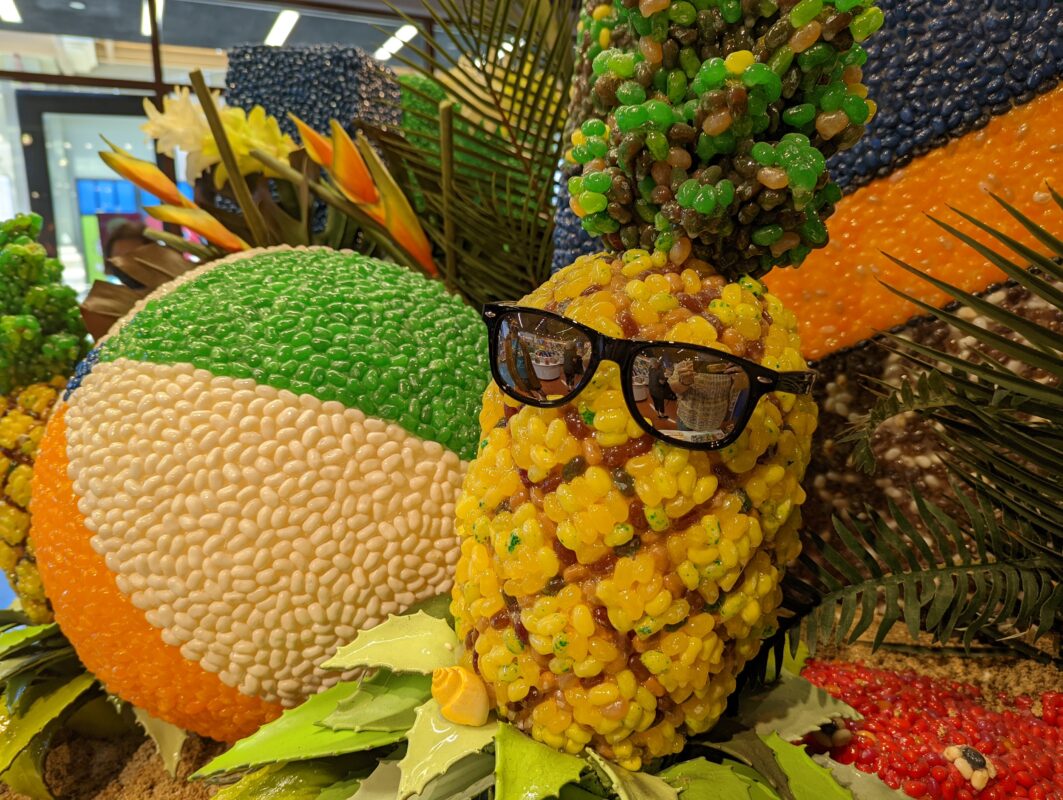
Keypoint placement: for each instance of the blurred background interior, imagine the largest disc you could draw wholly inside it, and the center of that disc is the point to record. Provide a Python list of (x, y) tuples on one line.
[(73, 70)]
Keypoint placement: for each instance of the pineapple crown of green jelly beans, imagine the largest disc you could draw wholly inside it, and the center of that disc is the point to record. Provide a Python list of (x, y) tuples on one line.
[(791, 163), (370, 334)]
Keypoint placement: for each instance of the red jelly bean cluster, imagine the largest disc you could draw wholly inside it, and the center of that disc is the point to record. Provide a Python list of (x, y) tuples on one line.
[(910, 721)]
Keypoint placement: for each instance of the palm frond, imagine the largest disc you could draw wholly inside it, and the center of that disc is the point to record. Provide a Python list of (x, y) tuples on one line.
[(989, 566), (485, 182)]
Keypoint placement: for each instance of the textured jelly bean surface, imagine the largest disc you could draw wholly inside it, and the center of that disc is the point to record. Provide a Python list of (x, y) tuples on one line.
[(370, 334), (610, 587), (940, 69), (114, 640), (837, 295)]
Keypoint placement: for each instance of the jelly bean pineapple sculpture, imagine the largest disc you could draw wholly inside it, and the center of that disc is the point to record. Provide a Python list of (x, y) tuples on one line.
[(612, 583)]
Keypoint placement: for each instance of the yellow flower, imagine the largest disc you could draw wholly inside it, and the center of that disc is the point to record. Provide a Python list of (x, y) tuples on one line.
[(247, 132), (180, 125)]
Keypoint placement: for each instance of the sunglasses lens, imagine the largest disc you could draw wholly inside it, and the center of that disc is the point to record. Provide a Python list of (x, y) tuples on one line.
[(687, 395), (540, 358)]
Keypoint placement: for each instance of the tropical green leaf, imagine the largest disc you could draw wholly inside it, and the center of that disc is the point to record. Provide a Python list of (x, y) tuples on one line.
[(629, 785), (792, 707), (385, 702), (303, 780), (863, 785), (25, 776), (752, 750), (480, 147), (808, 780), (53, 701), (297, 735), (700, 778), (169, 739), (435, 744), (467, 779), (525, 768), (411, 643)]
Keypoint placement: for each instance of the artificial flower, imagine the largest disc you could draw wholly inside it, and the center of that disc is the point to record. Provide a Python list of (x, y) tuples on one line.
[(180, 125), (246, 132)]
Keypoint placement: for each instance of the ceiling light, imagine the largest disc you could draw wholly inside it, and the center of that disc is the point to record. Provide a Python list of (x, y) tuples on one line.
[(395, 42), (405, 33), (145, 20), (281, 29), (77, 6), (381, 54), (9, 12)]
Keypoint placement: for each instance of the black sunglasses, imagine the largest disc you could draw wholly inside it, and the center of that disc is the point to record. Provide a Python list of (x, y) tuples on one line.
[(684, 394)]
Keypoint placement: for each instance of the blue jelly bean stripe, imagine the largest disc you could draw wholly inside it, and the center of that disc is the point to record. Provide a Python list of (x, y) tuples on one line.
[(82, 370)]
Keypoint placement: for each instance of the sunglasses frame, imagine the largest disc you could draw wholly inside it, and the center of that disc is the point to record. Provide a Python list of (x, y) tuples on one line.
[(623, 352)]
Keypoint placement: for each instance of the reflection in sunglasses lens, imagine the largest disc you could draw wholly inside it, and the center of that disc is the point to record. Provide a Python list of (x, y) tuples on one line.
[(540, 358), (687, 395)]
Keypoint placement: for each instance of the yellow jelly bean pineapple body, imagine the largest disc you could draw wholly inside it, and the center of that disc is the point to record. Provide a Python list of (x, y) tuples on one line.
[(610, 586)]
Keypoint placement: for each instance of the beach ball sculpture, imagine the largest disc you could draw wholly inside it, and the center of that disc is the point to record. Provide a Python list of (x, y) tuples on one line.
[(259, 461)]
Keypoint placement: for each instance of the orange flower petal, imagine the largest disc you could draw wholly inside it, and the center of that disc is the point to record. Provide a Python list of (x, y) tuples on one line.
[(147, 176), (318, 147), (201, 222), (349, 170), (397, 214)]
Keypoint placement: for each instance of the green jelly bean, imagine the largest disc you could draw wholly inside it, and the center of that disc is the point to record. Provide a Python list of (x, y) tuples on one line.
[(660, 80), (741, 128), (799, 116), (657, 144), (689, 110), (768, 235), (856, 109), (714, 70), (760, 123), (704, 5), (812, 230), (833, 97), (725, 142), (855, 55), (660, 26), (802, 176), (594, 51), (725, 193), (731, 10), (623, 64), (661, 223), (664, 242), (687, 193), (689, 62), (804, 12), (630, 93), (582, 154), (705, 149), (593, 202), (764, 153), (867, 23), (798, 139), (593, 127), (677, 86), (659, 112), (761, 75), (757, 103), (643, 26), (601, 62), (781, 60), (630, 117), (598, 182), (646, 186), (682, 13), (575, 185), (815, 56), (799, 253), (598, 147), (832, 193), (644, 210), (705, 200), (847, 5)]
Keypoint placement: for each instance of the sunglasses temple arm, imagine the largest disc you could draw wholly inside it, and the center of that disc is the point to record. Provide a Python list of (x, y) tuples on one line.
[(796, 382)]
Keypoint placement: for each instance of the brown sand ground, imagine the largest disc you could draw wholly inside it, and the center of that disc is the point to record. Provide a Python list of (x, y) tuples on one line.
[(129, 768)]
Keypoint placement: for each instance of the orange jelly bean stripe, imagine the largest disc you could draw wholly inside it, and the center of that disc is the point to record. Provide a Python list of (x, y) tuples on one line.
[(112, 637), (836, 294)]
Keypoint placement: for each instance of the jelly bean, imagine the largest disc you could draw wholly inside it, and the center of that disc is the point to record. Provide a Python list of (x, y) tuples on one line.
[(630, 117), (594, 182), (762, 75), (799, 115), (767, 235), (804, 12), (705, 200), (659, 113), (677, 86), (856, 108), (725, 193), (763, 153), (575, 184), (631, 93), (867, 23), (739, 61), (682, 13), (593, 202), (657, 144), (593, 127)]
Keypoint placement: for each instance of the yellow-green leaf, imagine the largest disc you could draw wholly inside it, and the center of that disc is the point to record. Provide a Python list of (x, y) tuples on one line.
[(54, 700), (527, 770), (25, 776), (169, 739), (808, 780), (385, 702), (304, 780), (297, 735), (435, 744), (792, 707), (632, 785), (414, 643), (700, 778), (467, 779), (12, 640), (863, 785)]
